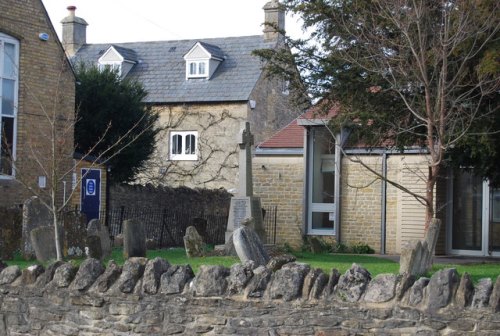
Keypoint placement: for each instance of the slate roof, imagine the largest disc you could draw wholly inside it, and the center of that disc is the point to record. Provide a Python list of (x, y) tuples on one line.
[(215, 51), (127, 54), (161, 68)]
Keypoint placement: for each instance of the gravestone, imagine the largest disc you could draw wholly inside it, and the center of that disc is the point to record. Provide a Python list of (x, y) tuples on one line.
[(417, 255), (94, 228), (35, 214), (193, 243), (43, 243), (134, 239), (245, 204), (75, 233), (249, 247)]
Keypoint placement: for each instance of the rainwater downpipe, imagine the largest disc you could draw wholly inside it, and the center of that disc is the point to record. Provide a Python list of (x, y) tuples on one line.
[(383, 203)]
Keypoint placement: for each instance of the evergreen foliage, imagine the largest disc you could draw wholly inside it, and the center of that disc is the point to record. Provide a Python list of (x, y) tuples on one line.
[(114, 121)]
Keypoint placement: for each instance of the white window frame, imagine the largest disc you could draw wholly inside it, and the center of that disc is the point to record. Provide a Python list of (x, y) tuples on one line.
[(110, 64), (191, 156), (196, 73), (15, 77)]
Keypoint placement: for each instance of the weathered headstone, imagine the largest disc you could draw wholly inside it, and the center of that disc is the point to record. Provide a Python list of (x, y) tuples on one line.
[(416, 255), (245, 205), (75, 232), (249, 247), (43, 243), (94, 228), (94, 249), (193, 243), (35, 214), (134, 239)]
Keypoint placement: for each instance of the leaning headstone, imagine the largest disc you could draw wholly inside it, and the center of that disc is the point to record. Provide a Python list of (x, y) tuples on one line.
[(134, 239), (35, 214), (416, 255), (75, 232), (43, 243), (249, 247), (193, 243)]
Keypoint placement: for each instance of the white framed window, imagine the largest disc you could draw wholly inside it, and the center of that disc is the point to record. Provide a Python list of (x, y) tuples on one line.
[(114, 66), (9, 84), (183, 145), (197, 69)]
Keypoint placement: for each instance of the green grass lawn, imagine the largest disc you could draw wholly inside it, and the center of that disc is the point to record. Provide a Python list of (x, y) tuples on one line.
[(326, 262)]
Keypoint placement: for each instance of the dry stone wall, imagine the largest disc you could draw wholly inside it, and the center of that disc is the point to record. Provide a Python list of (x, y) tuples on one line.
[(152, 297)]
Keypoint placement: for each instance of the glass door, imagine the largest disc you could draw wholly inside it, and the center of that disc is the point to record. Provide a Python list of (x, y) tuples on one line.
[(475, 216), (494, 233), (467, 212)]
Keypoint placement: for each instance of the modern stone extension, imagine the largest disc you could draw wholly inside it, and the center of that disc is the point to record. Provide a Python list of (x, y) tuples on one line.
[(152, 297)]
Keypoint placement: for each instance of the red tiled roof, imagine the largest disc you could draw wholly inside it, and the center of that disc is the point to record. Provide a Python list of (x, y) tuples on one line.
[(291, 136)]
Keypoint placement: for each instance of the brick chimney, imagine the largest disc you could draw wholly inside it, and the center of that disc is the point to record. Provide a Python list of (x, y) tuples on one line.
[(74, 32), (274, 20)]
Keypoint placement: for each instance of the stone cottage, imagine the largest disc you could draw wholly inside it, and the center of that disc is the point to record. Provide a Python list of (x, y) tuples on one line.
[(204, 91), (329, 194), (37, 86)]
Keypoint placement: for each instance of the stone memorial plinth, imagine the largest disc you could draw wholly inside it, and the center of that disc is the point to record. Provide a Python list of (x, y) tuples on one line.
[(243, 208), (245, 205)]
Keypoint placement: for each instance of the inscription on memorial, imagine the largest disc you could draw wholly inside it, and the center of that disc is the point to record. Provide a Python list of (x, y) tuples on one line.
[(240, 211)]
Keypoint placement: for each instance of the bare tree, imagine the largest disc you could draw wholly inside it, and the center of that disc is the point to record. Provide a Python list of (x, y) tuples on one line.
[(405, 72), (49, 148)]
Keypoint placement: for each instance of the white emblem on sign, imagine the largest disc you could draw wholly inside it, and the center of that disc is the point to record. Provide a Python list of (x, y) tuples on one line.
[(90, 187)]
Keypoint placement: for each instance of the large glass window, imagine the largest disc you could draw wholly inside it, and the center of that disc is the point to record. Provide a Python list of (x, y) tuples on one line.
[(9, 64), (183, 145), (321, 181)]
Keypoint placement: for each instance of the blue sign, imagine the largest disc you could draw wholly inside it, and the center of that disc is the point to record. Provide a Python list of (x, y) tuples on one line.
[(91, 193), (90, 190)]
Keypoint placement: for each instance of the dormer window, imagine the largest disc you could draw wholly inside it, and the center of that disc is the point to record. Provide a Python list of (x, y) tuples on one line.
[(198, 69), (119, 59), (202, 60), (113, 66)]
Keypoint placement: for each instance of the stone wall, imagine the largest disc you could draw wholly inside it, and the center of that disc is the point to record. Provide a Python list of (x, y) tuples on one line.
[(155, 298)]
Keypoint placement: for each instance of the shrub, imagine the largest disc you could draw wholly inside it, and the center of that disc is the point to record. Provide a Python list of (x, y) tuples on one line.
[(361, 248)]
